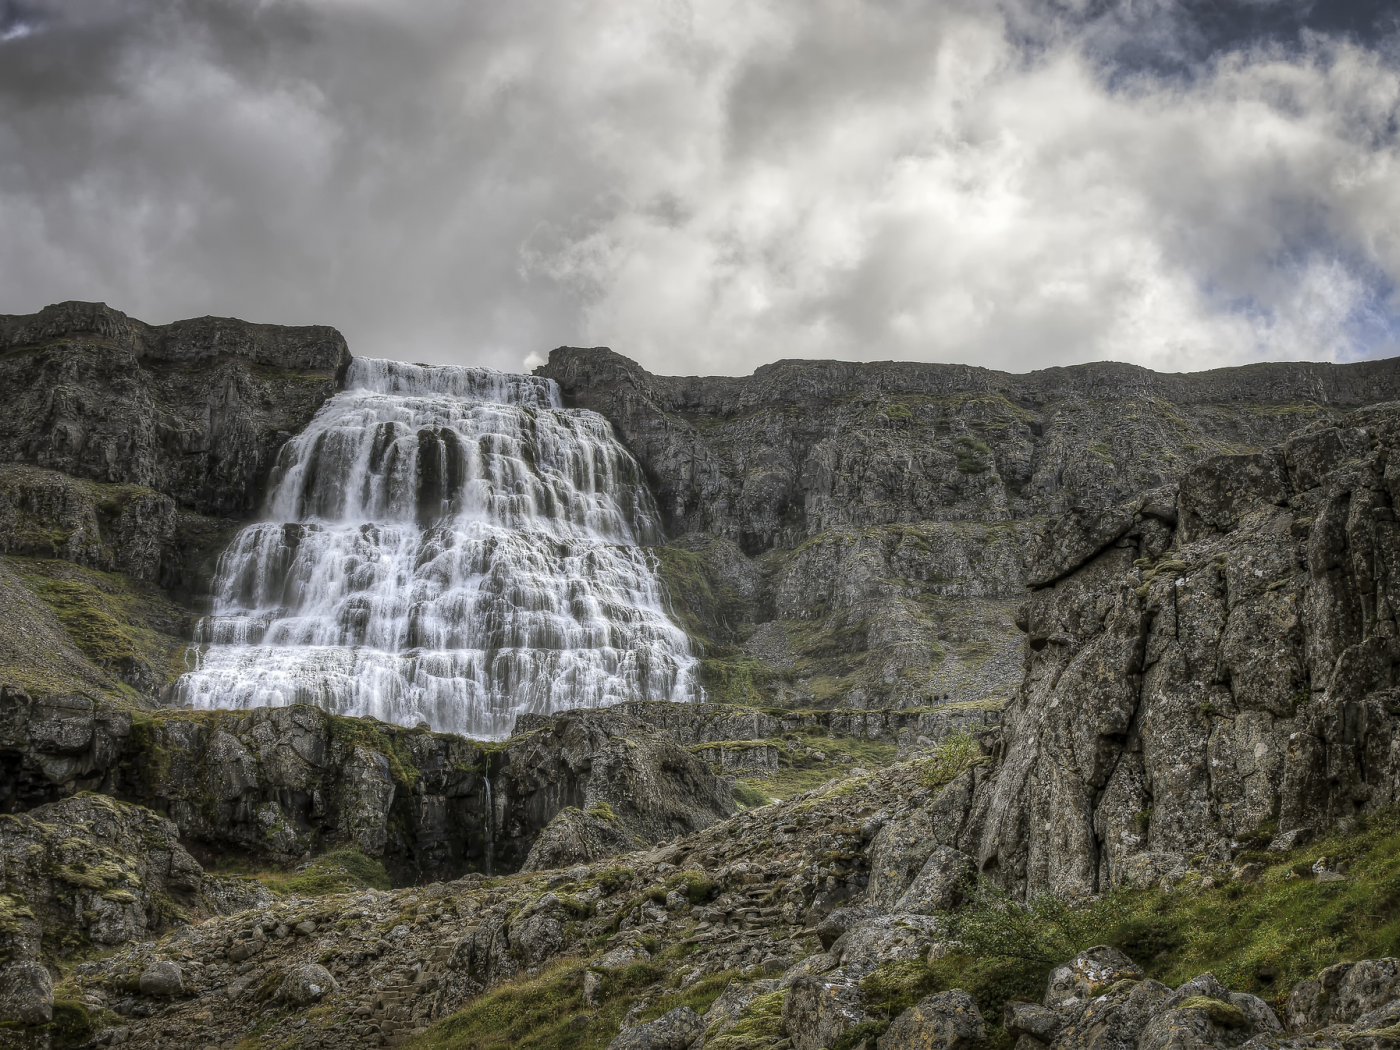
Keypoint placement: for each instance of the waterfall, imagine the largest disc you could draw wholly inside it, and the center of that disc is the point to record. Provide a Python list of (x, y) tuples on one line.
[(488, 826), (446, 545)]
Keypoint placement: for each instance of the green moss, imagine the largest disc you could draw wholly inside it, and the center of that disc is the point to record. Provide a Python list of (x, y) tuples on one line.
[(698, 887), (954, 755), (760, 1023), (338, 871), (602, 811), (971, 455), (738, 679), (545, 1011), (1227, 1014), (110, 618), (376, 736), (800, 770), (749, 796)]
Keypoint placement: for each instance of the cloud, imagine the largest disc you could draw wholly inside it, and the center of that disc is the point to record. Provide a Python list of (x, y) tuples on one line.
[(708, 186)]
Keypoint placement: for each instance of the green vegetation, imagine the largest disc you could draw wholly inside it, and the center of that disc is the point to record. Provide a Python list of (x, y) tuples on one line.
[(73, 1025), (738, 679), (749, 796), (127, 628), (802, 769), (339, 871), (1261, 936), (972, 455), (760, 1023), (549, 1010), (956, 754)]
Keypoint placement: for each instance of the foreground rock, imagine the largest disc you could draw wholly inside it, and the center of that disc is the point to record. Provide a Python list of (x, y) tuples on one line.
[(93, 872)]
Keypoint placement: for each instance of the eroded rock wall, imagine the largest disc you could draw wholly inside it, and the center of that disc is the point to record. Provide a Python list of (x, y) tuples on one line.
[(1207, 672), (858, 528), (282, 783), (196, 409)]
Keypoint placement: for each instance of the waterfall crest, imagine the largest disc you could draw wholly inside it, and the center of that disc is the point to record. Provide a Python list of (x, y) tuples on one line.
[(446, 545)]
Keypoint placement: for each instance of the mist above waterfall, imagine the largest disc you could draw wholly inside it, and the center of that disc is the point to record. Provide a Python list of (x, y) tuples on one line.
[(446, 545)]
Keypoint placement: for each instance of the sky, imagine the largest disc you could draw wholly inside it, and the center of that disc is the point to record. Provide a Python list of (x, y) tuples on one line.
[(708, 186)]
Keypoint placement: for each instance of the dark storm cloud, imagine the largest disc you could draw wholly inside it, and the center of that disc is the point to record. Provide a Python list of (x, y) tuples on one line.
[(706, 186)]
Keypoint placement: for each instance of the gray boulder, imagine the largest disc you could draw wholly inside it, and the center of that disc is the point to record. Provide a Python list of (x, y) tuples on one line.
[(1342, 993), (162, 978), (819, 1010), (676, 1030), (1089, 973), (306, 984), (1031, 1019), (26, 993), (940, 883), (946, 1021), (1113, 1017)]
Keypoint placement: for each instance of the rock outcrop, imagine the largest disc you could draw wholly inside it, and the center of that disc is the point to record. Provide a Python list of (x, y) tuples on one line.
[(92, 872), (1207, 671), (195, 410), (852, 533), (282, 783)]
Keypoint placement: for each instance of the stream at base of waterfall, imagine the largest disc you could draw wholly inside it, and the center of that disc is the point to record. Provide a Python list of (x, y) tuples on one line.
[(444, 545)]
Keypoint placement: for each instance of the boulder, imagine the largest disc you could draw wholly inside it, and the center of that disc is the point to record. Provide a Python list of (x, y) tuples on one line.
[(819, 1010), (306, 984), (1342, 993), (162, 978), (26, 993), (1031, 1019), (940, 883), (676, 1030), (1114, 1016), (1088, 973), (946, 1021)]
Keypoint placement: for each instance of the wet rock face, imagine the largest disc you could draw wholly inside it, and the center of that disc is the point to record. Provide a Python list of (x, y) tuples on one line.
[(1193, 671), (195, 410)]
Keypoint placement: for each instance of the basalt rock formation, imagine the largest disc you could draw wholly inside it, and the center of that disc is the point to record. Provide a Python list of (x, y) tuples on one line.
[(129, 454), (194, 410)]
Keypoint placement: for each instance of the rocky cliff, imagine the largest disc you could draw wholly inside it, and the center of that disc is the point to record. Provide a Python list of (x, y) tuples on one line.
[(1208, 669), (129, 453), (283, 784), (853, 534)]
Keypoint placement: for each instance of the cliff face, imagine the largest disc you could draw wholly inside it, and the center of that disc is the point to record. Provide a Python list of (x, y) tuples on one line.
[(853, 534), (802, 447), (194, 410), (283, 783), (129, 454), (1207, 671)]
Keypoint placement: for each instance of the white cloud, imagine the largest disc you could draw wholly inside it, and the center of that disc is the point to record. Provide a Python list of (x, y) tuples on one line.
[(706, 187)]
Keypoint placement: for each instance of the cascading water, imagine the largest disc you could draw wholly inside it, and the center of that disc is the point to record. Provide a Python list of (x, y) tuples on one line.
[(445, 545)]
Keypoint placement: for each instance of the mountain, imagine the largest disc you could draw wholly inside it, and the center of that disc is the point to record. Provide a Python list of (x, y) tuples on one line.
[(1074, 688)]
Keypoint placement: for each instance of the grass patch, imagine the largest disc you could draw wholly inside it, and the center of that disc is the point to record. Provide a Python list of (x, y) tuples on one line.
[(749, 796), (738, 680), (801, 770), (126, 627), (339, 871), (971, 454), (548, 1010), (1261, 937)]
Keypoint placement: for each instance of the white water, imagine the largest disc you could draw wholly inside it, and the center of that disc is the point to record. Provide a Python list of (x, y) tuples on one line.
[(444, 545)]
